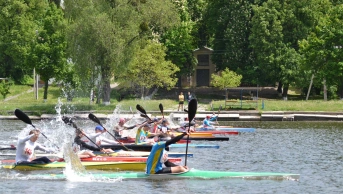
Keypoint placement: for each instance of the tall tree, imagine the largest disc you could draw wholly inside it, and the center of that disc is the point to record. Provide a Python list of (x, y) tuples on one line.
[(48, 55), (103, 34), (322, 49), (149, 68), (228, 22), (18, 23)]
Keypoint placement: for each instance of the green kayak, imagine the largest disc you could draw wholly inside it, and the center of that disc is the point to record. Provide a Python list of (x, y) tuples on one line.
[(199, 174)]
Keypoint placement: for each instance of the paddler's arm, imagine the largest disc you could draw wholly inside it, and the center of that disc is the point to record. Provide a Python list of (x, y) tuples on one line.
[(78, 141), (175, 139)]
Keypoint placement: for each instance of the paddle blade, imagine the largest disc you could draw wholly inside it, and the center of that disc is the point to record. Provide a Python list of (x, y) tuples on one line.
[(94, 118), (185, 110), (22, 116), (140, 109), (161, 107), (192, 109), (69, 121)]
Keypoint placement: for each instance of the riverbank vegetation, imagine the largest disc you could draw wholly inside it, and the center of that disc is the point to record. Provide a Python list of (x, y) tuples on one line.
[(23, 97)]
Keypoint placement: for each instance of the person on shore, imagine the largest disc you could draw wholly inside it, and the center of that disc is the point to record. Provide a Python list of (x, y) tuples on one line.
[(159, 156), (82, 149), (143, 134), (181, 101), (189, 97), (26, 147)]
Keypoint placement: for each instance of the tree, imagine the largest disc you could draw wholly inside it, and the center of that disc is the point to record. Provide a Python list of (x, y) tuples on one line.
[(322, 50), (48, 55), (17, 32), (149, 68), (103, 35), (228, 23), (226, 79)]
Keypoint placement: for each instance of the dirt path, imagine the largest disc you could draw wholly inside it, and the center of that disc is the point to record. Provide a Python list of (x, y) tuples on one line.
[(16, 96)]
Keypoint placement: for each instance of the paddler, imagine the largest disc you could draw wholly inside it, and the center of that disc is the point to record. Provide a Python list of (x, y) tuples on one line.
[(158, 156), (207, 123), (119, 128), (82, 149), (26, 147), (143, 134), (99, 139)]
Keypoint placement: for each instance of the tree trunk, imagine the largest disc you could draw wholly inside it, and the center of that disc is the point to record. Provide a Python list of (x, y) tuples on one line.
[(142, 92), (279, 89), (309, 88), (325, 91), (46, 86), (285, 91), (106, 92)]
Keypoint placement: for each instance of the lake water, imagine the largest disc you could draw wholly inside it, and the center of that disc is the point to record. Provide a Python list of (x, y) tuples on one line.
[(312, 149)]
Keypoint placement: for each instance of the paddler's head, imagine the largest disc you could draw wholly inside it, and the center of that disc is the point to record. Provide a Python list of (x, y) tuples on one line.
[(36, 133), (146, 127), (208, 117), (121, 121), (99, 129)]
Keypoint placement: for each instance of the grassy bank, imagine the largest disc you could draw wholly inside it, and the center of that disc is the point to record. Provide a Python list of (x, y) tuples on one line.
[(22, 97)]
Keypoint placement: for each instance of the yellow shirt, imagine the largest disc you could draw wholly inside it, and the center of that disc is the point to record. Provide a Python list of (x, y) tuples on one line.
[(181, 98)]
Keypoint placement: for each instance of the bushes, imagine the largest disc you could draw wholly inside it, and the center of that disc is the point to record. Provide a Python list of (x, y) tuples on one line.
[(5, 87)]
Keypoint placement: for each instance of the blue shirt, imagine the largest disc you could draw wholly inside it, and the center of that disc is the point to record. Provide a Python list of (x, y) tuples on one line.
[(206, 123), (153, 163)]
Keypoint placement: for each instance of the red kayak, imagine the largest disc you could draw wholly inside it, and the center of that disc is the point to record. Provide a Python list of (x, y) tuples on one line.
[(132, 140), (219, 132), (108, 159)]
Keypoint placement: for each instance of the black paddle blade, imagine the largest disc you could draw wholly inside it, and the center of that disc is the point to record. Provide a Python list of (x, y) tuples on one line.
[(161, 107), (185, 110), (22, 116), (94, 118), (192, 109), (140, 109), (69, 121)]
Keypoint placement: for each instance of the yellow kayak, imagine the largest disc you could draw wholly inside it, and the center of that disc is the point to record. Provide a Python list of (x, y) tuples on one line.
[(135, 166)]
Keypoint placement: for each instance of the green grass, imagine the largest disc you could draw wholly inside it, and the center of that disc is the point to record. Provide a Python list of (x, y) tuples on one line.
[(26, 102)]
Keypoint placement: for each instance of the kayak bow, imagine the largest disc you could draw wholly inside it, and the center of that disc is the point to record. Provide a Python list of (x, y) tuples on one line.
[(199, 174)]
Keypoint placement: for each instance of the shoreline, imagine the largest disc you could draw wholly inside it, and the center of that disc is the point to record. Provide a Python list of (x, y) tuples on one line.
[(250, 115)]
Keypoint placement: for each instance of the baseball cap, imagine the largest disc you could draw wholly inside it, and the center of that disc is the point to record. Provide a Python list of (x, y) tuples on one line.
[(99, 127), (147, 125), (208, 116)]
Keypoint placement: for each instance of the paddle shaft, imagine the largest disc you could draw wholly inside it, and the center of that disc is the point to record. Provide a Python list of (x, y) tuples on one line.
[(95, 119), (22, 116)]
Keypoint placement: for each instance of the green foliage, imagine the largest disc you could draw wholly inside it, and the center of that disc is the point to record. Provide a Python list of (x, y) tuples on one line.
[(5, 87), (149, 68), (227, 79)]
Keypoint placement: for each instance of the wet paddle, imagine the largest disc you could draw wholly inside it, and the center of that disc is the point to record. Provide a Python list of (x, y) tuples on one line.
[(95, 119), (192, 109), (70, 122), (22, 116), (143, 112), (161, 109)]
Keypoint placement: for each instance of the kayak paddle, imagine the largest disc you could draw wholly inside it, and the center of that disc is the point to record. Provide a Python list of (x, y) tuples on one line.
[(142, 110), (192, 109), (22, 116), (161, 109), (95, 119), (69, 121)]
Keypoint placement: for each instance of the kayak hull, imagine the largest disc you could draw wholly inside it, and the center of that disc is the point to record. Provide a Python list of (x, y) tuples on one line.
[(235, 129), (199, 174), (134, 166), (147, 147)]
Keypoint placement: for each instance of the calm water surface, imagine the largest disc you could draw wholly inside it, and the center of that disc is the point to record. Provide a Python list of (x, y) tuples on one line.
[(313, 150)]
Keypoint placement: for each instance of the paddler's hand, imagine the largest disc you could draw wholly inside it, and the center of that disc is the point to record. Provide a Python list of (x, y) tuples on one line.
[(103, 150)]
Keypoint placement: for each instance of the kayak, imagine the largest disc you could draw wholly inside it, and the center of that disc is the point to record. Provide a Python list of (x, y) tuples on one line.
[(119, 153), (219, 128), (148, 147), (220, 132), (200, 174), (135, 166), (133, 140), (108, 159)]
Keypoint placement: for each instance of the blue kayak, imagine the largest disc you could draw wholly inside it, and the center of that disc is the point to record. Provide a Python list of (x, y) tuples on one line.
[(194, 146), (238, 129)]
